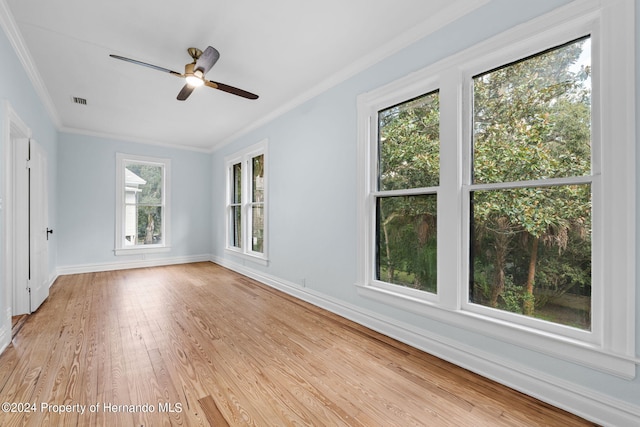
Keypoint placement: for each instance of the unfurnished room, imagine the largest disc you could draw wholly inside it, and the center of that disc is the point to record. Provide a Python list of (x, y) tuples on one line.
[(321, 213)]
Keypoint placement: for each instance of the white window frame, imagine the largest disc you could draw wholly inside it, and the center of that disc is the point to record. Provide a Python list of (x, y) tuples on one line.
[(610, 345), (245, 157), (120, 247), (387, 100)]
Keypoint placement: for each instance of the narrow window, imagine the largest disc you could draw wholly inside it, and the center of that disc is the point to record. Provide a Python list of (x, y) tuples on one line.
[(142, 210), (257, 204), (406, 200), (235, 212)]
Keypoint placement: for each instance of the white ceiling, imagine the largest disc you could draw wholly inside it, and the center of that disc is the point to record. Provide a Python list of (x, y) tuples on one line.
[(283, 50)]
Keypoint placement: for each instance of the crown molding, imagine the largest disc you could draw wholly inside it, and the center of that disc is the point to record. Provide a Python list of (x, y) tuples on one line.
[(10, 27), (128, 138)]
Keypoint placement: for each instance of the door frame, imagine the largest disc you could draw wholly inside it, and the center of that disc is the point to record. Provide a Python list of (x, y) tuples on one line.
[(15, 130)]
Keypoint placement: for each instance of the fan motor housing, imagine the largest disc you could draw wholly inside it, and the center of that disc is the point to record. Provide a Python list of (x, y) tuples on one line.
[(195, 53)]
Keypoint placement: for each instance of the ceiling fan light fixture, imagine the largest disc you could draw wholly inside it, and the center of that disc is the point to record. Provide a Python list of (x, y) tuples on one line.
[(194, 73), (196, 79)]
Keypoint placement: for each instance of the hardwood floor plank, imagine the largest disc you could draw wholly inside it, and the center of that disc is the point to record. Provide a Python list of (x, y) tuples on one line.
[(200, 345), (8, 366), (166, 392), (211, 411)]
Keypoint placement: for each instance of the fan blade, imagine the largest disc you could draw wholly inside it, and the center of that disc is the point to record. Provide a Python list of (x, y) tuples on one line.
[(185, 92), (208, 58), (230, 89), (144, 64)]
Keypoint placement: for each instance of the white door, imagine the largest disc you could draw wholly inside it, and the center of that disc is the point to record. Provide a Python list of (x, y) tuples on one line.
[(38, 227)]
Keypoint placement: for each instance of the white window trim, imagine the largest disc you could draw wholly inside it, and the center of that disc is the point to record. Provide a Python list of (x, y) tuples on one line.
[(610, 346), (165, 246), (244, 157)]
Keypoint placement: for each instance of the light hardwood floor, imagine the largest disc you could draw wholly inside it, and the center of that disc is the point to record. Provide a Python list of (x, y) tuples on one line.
[(201, 345)]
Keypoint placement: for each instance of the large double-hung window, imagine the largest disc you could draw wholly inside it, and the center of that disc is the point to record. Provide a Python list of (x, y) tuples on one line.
[(406, 197), (530, 187), (497, 188)]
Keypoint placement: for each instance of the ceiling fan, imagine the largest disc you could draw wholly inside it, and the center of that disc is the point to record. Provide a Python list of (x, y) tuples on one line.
[(194, 73)]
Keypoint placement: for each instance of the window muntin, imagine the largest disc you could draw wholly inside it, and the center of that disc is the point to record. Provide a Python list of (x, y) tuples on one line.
[(409, 163), (530, 246), (142, 208), (246, 202)]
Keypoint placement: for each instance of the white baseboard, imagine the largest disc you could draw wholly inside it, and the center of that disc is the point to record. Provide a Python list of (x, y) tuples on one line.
[(582, 401), (52, 278), (128, 264)]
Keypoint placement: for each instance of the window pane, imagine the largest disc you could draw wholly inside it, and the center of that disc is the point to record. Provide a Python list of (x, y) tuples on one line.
[(257, 232), (409, 144), (235, 224), (143, 225), (236, 191), (145, 181), (531, 252), (406, 241), (532, 118), (257, 180)]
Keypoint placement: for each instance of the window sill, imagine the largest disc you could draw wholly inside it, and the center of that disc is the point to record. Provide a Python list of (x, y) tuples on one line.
[(141, 250), (586, 354), (253, 258)]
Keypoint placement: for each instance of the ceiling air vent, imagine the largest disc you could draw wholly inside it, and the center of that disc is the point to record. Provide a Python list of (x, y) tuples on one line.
[(80, 101)]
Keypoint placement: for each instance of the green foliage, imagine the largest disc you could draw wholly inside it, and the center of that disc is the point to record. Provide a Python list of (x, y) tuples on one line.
[(410, 144), (409, 158), (531, 121), (512, 298), (407, 240)]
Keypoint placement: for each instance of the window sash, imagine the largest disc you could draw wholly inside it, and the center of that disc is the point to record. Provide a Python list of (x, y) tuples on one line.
[(256, 228), (483, 67), (235, 226)]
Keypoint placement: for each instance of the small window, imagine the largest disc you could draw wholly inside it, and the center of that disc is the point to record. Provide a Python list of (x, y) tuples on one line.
[(142, 209), (246, 202)]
